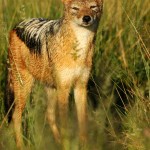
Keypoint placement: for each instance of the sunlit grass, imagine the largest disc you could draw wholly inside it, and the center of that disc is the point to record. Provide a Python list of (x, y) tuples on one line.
[(119, 88)]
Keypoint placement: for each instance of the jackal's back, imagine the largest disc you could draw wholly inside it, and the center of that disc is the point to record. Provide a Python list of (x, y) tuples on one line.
[(34, 32)]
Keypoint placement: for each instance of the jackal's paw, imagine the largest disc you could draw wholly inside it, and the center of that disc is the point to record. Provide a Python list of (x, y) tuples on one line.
[(57, 137), (83, 138), (56, 133), (83, 142)]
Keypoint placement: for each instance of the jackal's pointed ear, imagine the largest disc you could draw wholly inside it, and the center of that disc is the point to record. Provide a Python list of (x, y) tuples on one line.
[(100, 2), (66, 1)]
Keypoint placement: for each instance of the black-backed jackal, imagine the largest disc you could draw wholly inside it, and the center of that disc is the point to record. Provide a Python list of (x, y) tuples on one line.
[(59, 54)]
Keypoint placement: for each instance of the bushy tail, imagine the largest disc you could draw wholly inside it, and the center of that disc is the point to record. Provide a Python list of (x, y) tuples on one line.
[(9, 96)]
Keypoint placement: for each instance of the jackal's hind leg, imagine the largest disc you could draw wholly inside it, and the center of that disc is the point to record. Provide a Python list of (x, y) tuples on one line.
[(22, 88), (51, 112)]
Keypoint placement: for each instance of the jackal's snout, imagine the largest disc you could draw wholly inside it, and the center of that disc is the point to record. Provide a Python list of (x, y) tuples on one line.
[(87, 19)]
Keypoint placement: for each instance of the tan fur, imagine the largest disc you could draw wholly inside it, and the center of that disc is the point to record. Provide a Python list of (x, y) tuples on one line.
[(71, 51)]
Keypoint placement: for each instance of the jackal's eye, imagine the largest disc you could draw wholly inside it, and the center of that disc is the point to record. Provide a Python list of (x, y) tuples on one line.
[(75, 8), (93, 7)]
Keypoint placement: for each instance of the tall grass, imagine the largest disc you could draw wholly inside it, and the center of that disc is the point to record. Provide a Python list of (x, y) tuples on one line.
[(119, 88)]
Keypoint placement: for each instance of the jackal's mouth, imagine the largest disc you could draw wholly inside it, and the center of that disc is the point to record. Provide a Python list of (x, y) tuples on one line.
[(86, 24)]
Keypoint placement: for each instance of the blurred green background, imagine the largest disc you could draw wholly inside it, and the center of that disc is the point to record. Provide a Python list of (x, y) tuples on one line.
[(119, 87)]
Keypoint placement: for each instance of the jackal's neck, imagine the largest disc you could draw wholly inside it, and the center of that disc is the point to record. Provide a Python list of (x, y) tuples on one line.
[(77, 40), (80, 34)]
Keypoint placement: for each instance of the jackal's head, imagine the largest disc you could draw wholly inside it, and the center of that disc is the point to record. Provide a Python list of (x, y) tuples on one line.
[(83, 12)]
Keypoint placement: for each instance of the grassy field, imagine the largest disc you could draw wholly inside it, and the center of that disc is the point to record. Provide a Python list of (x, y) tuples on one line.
[(119, 87)]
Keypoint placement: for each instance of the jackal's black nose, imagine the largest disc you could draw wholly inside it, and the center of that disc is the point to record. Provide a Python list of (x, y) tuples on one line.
[(86, 19)]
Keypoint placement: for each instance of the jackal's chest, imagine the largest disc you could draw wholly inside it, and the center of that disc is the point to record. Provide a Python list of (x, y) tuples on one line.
[(82, 42), (73, 74)]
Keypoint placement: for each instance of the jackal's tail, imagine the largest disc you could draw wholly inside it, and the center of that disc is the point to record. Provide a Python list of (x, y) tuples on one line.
[(9, 95)]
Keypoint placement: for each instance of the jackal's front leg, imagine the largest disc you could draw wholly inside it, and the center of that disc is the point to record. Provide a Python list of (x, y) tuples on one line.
[(63, 94), (51, 111), (80, 94)]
